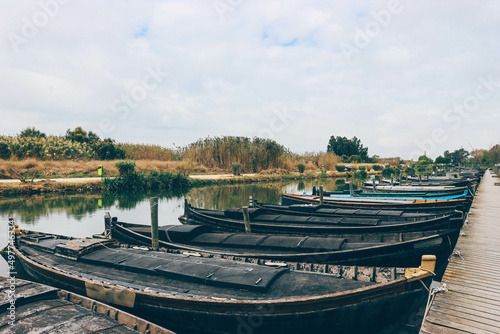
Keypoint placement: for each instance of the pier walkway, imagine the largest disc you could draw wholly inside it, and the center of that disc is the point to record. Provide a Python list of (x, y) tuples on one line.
[(472, 302)]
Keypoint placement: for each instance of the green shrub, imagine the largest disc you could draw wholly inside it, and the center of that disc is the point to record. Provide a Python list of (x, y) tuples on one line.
[(301, 168), (4, 150), (354, 158), (389, 171), (236, 167), (360, 174), (154, 181), (340, 168), (376, 167), (45, 148), (125, 167), (362, 168)]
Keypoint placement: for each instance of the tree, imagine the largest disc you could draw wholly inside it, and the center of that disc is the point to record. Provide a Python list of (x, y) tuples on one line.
[(32, 132), (81, 136), (442, 160), (349, 147), (457, 157), (495, 154), (424, 164), (78, 135), (108, 150)]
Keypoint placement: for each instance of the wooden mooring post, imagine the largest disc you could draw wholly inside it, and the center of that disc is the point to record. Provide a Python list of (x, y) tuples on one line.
[(153, 201), (107, 225), (351, 189), (246, 218), (321, 195)]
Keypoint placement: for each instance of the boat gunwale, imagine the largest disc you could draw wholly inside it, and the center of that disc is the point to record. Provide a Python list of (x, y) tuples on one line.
[(360, 294), (342, 229), (297, 256)]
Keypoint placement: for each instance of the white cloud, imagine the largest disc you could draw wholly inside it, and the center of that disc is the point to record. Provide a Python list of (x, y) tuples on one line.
[(227, 76)]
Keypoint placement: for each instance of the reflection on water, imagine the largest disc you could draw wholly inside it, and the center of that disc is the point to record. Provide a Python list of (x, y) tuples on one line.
[(83, 215)]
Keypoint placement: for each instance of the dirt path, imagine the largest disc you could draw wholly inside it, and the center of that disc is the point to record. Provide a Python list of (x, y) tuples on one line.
[(98, 179)]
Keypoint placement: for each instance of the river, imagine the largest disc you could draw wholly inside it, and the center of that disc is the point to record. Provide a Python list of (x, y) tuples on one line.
[(82, 215)]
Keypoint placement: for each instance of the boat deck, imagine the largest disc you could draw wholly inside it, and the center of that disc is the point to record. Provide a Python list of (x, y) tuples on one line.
[(472, 302), (28, 307)]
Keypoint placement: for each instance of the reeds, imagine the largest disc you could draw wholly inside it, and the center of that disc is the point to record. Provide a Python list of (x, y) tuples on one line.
[(147, 152), (220, 152)]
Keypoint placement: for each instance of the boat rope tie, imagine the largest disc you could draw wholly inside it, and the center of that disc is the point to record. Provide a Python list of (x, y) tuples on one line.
[(427, 270), (166, 232), (442, 288), (457, 253)]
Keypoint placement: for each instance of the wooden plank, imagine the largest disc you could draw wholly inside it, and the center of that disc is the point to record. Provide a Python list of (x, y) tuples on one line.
[(473, 309), (468, 313), (466, 325), (469, 299), (472, 304), (429, 328), (480, 285), (474, 292)]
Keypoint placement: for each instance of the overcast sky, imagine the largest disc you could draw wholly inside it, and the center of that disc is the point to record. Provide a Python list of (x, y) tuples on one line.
[(403, 76)]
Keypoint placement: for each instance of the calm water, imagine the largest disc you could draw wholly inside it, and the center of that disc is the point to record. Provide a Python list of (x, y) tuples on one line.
[(83, 215)]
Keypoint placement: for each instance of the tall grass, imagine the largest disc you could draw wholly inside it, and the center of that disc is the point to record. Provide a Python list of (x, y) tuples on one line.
[(147, 152), (315, 160), (220, 152)]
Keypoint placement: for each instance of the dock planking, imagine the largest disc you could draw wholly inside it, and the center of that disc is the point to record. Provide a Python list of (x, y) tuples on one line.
[(472, 302), (28, 307)]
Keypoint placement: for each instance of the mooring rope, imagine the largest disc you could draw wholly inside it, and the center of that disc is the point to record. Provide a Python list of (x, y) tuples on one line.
[(432, 295)]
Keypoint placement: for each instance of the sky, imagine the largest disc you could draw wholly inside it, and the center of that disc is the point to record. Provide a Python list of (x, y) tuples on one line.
[(405, 77)]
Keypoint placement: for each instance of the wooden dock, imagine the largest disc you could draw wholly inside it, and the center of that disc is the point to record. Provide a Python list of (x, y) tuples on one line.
[(472, 302)]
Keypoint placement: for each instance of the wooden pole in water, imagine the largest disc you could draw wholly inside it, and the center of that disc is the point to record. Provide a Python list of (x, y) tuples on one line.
[(320, 195), (107, 225), (246, 218), (153, 202), (392, 179), (351, 189)]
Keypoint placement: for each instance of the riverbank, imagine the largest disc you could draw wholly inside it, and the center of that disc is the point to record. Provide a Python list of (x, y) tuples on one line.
[(95, 184)]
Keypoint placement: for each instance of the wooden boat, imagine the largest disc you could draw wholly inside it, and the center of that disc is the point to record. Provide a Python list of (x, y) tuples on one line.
[(446, 192), (333, 211), (209, 295), (369, 249), (421, 205), (431, 182), (413, 194), (263, 221), (28, 307)]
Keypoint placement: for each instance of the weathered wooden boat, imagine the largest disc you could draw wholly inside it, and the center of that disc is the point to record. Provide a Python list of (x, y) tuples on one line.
[(332, 211), (28, 307), (414, 194), (446, 192), (422, 205), (210, 295), (264, 221), (462, 182), (368, 249)]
